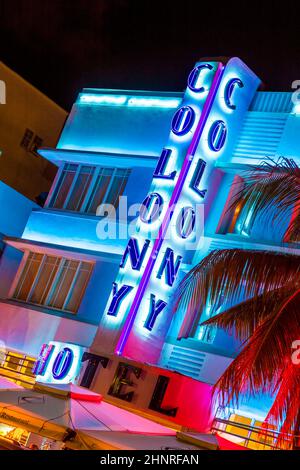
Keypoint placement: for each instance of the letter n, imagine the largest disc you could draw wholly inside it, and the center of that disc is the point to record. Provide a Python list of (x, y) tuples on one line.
[(169, 266), (136, 256)]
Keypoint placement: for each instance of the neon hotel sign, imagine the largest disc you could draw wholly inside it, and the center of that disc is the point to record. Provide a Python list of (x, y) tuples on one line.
[(202, 130)]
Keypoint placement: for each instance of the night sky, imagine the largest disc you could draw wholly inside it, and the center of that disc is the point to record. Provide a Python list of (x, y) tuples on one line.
[(63, 46)]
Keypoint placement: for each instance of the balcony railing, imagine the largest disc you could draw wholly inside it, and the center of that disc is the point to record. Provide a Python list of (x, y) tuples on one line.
[(252, 437), (17, 367)]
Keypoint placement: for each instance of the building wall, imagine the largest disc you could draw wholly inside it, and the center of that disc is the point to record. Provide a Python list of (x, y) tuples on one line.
[(14, 211), (25, 328), (185, 401), (26, 108), (139, 129)]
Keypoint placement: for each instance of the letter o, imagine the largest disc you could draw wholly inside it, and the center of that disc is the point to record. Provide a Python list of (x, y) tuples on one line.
[(185, 223), (183, 120), (151, 208), (217, 135), (62, 363)]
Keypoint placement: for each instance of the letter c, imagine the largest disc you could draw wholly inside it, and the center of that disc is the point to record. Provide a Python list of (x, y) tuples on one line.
[(229, 88), (193, 78)]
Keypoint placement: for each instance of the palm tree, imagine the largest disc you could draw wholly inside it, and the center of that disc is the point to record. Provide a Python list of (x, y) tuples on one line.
[(267, 322)]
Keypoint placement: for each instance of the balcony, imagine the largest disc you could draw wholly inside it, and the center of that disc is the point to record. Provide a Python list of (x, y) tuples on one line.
[(25, 328), (73, 230)]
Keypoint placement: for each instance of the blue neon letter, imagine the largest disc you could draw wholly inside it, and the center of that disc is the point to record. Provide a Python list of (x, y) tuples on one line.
[(217, 135), (155, 309), (118, 296), (169, 266), (43, 360), (197, 178), (229, 88), (151, 208), (183, 120), (159, 171), (136, 257), (185, 223), (193, 79), (62, 363)]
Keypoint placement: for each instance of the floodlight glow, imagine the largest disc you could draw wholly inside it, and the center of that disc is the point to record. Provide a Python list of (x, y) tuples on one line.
[(102, 99), (154, 102), (134, 101)]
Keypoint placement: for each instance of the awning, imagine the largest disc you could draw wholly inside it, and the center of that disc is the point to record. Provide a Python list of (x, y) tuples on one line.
[(54, 412), (98, 440)]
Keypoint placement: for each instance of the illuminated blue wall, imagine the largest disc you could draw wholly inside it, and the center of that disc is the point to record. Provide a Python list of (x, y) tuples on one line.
[(14, 211), (141, 128)]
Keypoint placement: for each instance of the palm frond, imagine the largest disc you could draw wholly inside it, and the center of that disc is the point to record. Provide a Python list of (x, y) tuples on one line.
[(264, 359), (242, 319), (292, 233), (284, 412), (233, 274), (272, 183)]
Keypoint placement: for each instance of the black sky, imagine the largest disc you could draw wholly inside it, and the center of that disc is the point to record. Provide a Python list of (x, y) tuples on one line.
[(63, 46)]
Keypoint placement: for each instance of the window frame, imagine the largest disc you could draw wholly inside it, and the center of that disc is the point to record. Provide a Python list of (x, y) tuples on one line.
[(54, 283), (27, 139), (97, 169), (35, 144), (206, 330), (229, 220)]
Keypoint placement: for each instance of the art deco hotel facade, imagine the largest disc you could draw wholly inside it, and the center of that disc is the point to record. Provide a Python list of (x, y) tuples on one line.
[(92, 301)]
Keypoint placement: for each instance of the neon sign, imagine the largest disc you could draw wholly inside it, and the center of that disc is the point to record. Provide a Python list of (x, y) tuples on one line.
[(58, 363), (183, 120), (202, 130)]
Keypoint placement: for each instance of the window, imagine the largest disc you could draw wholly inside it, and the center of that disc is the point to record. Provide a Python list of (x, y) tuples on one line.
[(248, 431), (57, 283), (238, 219), (31, 142), (26, 140), (83, 188), (244, 222), (36, 144), (204, 333), (207, 333)]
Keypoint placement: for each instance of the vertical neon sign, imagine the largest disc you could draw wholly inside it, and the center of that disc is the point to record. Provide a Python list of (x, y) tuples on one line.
[(149, 269)]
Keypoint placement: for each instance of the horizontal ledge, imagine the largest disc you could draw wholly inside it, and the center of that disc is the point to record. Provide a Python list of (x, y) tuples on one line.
[(23, 244), (117, 160)]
